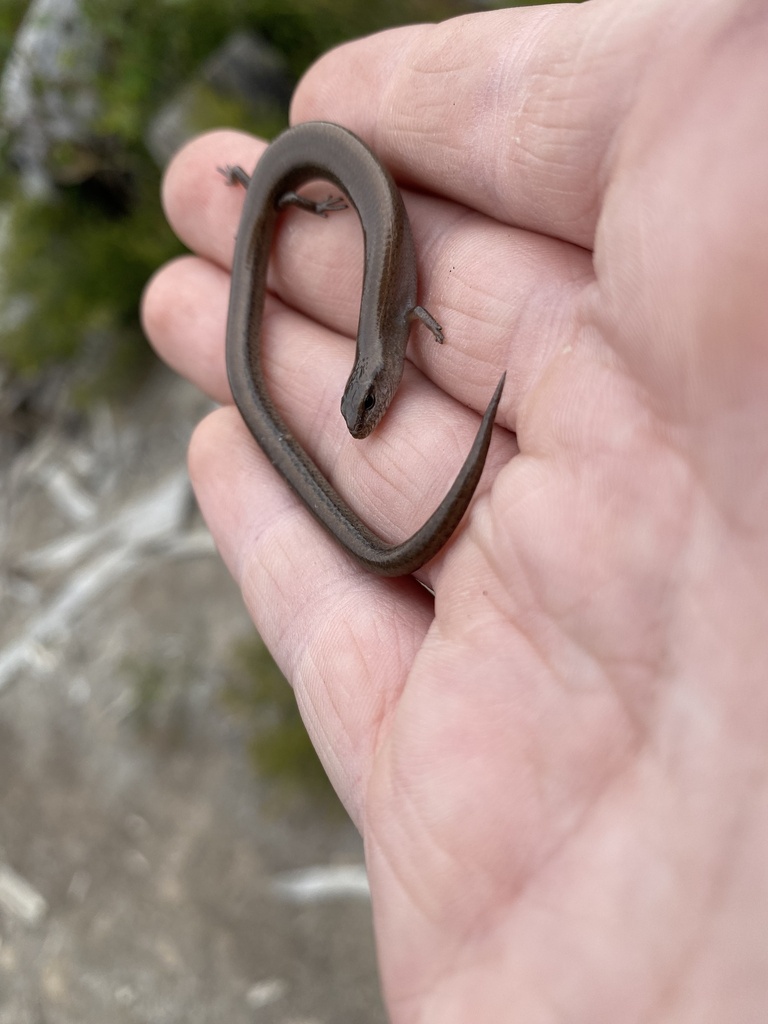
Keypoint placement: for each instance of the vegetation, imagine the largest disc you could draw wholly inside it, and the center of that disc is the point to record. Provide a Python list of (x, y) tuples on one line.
[(279, 746), (75, 262)]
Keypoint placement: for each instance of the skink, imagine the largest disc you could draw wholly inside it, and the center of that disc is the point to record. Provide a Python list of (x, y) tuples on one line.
[(320, 150)]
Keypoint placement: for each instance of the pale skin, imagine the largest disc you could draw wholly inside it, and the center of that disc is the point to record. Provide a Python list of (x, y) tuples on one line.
[(559, 763)]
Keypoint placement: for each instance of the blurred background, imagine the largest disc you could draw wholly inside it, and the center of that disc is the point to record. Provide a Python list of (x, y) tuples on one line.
[(170, 849)]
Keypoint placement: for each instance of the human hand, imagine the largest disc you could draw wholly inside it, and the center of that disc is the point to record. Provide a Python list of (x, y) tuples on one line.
[(559, 763)]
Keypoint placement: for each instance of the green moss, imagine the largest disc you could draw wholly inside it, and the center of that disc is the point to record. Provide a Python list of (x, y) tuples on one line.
[(256, 693), (279, 746), (160, 713), (11, 13), (79, 272), (210, 109)]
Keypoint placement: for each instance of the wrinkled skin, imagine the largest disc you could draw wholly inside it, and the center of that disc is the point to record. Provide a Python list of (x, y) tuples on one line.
[(559, 762)]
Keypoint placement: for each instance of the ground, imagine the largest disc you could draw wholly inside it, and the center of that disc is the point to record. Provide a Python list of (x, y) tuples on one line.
[(147, 873)]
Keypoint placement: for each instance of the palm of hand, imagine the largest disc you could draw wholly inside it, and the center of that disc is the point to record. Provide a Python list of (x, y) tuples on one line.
[(551, 812)]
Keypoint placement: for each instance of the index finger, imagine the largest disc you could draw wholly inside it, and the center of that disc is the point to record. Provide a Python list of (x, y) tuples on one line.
[(510, 112)]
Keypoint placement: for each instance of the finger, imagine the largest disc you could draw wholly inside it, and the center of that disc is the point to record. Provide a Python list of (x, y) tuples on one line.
[(183, 313), (201, 207), (347, 668), (506, 298), (511, 112)]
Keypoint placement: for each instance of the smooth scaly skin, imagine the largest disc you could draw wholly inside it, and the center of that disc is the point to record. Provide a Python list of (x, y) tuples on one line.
[(303, 153)]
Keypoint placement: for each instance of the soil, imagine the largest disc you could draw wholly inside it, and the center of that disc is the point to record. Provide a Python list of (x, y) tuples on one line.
[(147, 873)]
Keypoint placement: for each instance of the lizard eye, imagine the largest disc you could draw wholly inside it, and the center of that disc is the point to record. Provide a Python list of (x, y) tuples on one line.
[(369, 401)]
